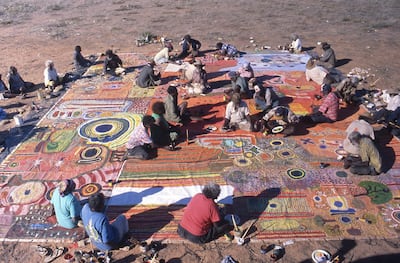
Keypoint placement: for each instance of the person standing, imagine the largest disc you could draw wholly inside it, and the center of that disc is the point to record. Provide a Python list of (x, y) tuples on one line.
[(201, 221), (66, 207), (103, 234)]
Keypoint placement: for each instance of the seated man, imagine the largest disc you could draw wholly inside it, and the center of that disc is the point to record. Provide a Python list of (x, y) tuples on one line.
[(328, 110), (362, 127), (103, 235), (66, 207), (280, 116), (328, 58), (237, 115), (148, 76), (247, 72), (394, 122), (174, 112), (226, 50), (346, 89), (369, 162), (80, 63), (265, 98), (140, 144), (239, 82), (112, 63), (201, 221)]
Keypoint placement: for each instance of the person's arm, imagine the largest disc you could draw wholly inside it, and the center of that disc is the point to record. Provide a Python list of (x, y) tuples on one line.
[(75, 210), (119, 61)]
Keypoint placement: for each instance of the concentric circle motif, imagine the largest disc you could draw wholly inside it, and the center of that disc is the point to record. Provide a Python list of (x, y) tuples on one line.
[(242, 161), (27, 193), (345, 219), (296, 173), (276, 143), (341, 174), (317, 198), (90, 154), (396, 215), (249, 154), (286, 154), (13, 164), (105, 130), (89, 189)]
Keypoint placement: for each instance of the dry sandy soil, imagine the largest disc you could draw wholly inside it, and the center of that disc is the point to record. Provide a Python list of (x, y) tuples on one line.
[(364, 34)]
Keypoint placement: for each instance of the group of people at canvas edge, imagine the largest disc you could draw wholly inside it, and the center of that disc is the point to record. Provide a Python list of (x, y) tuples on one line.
[(202, 220)]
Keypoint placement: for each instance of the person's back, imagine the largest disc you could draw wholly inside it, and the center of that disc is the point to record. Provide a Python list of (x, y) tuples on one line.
[(369, 153), (79, 61), (15, 81), (66, 207)]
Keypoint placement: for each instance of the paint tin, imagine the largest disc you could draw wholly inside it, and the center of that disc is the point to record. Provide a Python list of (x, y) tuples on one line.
[(240, 241), (277, 253), (144, 247)]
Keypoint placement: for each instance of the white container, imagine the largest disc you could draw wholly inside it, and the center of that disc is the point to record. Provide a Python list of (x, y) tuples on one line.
[(19, 121)]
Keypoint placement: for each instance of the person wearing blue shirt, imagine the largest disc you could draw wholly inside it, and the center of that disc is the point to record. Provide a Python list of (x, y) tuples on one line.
[(66, 207), (103, 235)]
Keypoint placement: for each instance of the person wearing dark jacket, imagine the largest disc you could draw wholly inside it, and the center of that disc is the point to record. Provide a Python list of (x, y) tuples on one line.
[(148, 77)]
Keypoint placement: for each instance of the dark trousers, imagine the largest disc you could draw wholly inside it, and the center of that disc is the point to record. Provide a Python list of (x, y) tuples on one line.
[(143, 152), (214, 233)]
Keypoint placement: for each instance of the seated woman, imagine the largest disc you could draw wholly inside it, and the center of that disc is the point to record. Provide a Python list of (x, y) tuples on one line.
[(163, 55), (16, 83), (173, 112), (201, 221), (66, 207), (265, 98), (237, 115), (51, 78), (198, 83), (162, 132)]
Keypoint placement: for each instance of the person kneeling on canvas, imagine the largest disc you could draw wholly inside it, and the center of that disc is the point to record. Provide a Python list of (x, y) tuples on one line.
[(201, 221), (66, 207), (103, 234), (369, 162)]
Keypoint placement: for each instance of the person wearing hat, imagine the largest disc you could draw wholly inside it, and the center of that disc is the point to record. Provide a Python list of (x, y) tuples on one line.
[(318, 74), (190, 47), (280, 116), (226, 50), (66, 207), (239, 83), (237, 115), (163, 55), (112, 63), (361, 126), (328, 58), (246, 71), (148, 77), (346, 89), (328, 110), (103, 234), (369, 162)]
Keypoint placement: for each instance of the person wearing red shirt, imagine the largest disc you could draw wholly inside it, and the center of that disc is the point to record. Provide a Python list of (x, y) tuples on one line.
[(328, 111), (201, 221)]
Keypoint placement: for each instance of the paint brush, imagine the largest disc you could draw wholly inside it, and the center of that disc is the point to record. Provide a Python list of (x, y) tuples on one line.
[(187, 137), (234, 223), (247, 230)]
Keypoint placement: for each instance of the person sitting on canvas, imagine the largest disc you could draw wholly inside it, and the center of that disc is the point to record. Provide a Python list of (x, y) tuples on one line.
[(265, 98), (162, 132), (66, 207), (174, 112), (362, 127), (280, 116), (103, 234), (148, 76), (237, 115), (226, 50), (198, 83), (190, 47), (140, 145), (327, 111), (318, 74), (112, 63), (239, 82), (201, 221), (328, 58)]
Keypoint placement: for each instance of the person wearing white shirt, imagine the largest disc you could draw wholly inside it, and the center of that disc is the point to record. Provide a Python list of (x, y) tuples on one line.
[(51, 79)]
